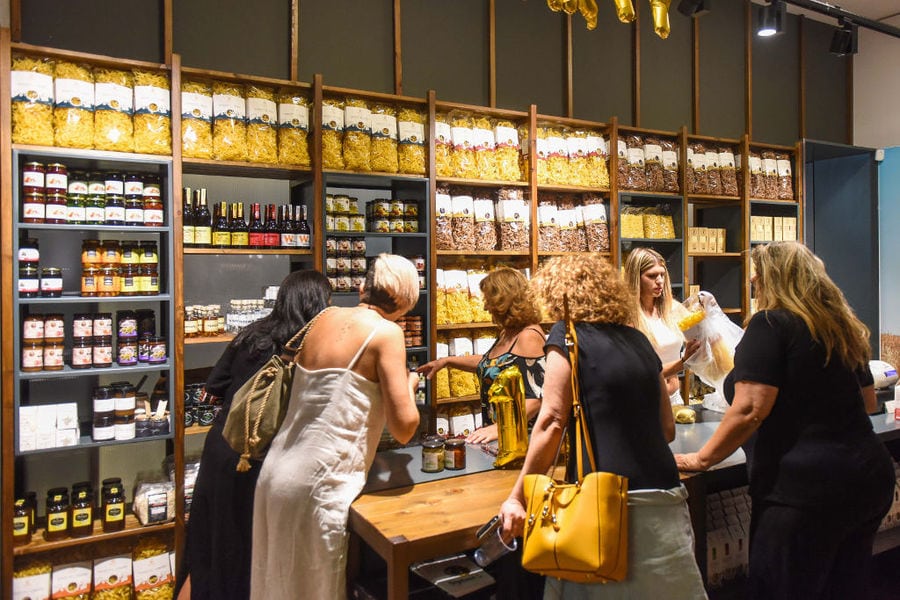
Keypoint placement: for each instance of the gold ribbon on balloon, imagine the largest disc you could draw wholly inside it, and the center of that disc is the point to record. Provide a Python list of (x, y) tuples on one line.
[(659, 10)]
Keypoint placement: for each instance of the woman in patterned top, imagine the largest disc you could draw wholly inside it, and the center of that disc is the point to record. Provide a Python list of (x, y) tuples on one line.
[(520, 342)]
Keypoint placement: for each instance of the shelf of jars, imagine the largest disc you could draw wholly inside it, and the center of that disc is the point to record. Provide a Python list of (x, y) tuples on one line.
[(68, 372), (236, 251), (68, 298), (132, 528), (197, 429), (86, 441), (215, 339)]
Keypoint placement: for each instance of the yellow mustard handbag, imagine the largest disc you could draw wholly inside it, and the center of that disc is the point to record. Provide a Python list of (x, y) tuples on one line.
[(577, 531)]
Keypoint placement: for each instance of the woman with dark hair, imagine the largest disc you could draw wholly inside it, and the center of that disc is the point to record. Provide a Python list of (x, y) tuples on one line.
[(217, 551)]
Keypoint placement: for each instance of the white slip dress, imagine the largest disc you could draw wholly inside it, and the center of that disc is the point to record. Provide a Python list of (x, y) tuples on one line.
[(315, 467), (668, 348)]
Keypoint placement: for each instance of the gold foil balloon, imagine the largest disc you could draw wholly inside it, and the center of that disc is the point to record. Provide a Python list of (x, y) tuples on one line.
[(555, 5), (624, 10), (507, 398), (660, 12), (570, 6), (588, 10)]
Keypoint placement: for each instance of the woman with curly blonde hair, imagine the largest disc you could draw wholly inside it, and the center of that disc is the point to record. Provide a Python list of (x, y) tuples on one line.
[(520, 342), (820, 480), (630, 423)]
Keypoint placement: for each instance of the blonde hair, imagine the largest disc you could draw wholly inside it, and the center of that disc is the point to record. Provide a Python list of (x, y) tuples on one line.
[(595, 291), (508, 298), (392, 284), (638, 262), (790, 277)]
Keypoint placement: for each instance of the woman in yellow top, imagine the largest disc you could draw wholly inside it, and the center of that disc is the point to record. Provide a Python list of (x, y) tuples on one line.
[(657, 314), (521, 342)]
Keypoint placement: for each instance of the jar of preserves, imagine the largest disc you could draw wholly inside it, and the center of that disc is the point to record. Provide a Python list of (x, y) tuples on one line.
[(110, 252), (96, 184), (411, 209), (381, 208), (142, 426), (124, 431), (90, 281), (82, 513), (134, 212), (54, 328), (57, 510), (152, 188), (342, 223), (113, 509), (144, 345), (127, 352), (91, 253), (148, 280), (157, 351), (149, 255), (78, 183), (31, 503), (396, 209), (75, 209), (341, 204), (108, 284), (357, 223), (82, 325), (103, 430), (82, 353), (21, 529), (159, 425), (56, 178), (114, 210), (396, 225), (29, 282), (114, 184), (455, 454), (411, 225), (53, 356), (134, 186), (104, 402), (33, 177), (102, 325), (33, 207), (32, 356), (102, 355), (95, 209), (358, 247), (56, 208), (129, 280), (51, 282), (153, 211), (29, 252), (131, 254), (433, 455), (33, 328)]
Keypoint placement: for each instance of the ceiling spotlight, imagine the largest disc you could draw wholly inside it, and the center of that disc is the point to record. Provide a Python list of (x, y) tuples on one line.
[(771, 19), (845, 38), (694, 8)]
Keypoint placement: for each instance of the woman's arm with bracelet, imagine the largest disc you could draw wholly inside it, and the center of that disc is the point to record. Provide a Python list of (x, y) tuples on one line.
[(468, 363)]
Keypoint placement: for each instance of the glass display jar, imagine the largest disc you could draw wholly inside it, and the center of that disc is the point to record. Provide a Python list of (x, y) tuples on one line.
[(33, 328), (433, 455), (56, 178), (455, 454), (33, 207), (54, 328), (90, 280), (33, 177), (82, 353), (21, 529), (32, 356), (113, 508), (102, 324), (53, 356), (102, 355), (57, 511), (51, 282), (82, 512), (91, 253), (56, 207), (29, 281)]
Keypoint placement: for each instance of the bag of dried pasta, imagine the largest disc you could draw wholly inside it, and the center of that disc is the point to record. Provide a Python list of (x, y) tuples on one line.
[(476, 298), (698, 182), (670, 167), (506, 150), (443, 220), (72, 580), (463, 221), (262, 114), (462, 155), (542, 148), (293, 128), (637, 174), (580, 238), (513, 217), (442, 377), (577, 150), (152, 113), (623, 173), (442, 314), (558, 157), (443, 145), (770, 175), (598, 160), (73, 106), (713, 173), (113, 577), (332, 133), (153, 577), (229, 121), (548, 227), (524, 152), (595, 224), (485, 223), (113, 108), (727, 171), (456, 289), (357, 134), (632, 223), (757, 188), (485, 148), (384, 139), (32, 580), (785, 182), (196, 119), (31, 88), (462, 383), (567, 228), (411, 148), (653, 166)]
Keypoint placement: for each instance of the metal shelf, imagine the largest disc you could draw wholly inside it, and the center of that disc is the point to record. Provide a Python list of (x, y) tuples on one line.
[(87, 441), (68, 372)]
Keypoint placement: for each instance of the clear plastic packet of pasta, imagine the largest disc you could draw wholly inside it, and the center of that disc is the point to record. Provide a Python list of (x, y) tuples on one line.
[(506, 150), (384, 139), (113, 577), (332, 133), (713, 174), (196, 119), (580, 237), (293, 128), (542, 148), (485, 223), (456, 285), (670, 166), (72, 580), (697, 175), (152, 113), (73, 106), (462, 155), (442, 377), (443, 220), (567, 228), (476, 299), (151, 564), (596, 224), (577, 149), (754, 164), (637, 174), (357, 147), (623, 173), (262, 116), (485, 148), (525, 151), (632, 223), (770, 175), (412, 140), (443, 145), (558, 156), (113, 110), (463, 221), (548, 227), (31, 88), (597, 160), (442, 313), (785, 181), (513, 222), (653, 166), (229, 121), (727, 171)]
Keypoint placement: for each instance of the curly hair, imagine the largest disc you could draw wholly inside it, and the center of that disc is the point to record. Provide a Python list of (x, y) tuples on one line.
[(508, 298), (595, 291), (790, 277), (640, 260)]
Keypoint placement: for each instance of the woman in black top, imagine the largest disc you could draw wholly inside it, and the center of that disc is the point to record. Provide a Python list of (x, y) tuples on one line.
[(216, 561), (630, 423), (820, 480)]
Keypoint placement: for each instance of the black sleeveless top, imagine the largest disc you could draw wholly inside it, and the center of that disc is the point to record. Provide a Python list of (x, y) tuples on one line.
[(532, 369)]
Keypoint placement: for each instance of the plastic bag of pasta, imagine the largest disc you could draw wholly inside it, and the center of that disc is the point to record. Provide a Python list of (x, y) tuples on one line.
[(558, 156), (72, 580), (443, 220), (443, 145), (442, 377), (577, 150), (31, 88), (595, 224), (757, 187), (513, 219), (293, 128), (697, 176), (506, 150), (462, 155), (770, 175), (727, 171), (113, 577), (485, 148), (670, 166), (548, 227), (332, 133), (229, 121), (524, 152), (623, 173), (713, 172), (632, 222), (152, 113), (785, 182), (580, 237), (73, 107), (598, 161), (476, 299), (485, 223), (32, 580), (411, 148), (456, 286), (542, 148), (113, 108), (565, 215), (196, 119), (637, 174), (384, 139), (463, 221), (653, 166), (357, 134), (153, 577), (262, 114), (442, 313)]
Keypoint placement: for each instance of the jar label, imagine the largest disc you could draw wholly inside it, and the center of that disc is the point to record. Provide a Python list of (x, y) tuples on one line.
[(134, 188), (151, 190), (88, 286), (56, 212), (78, 187), (29, 254), (104, 405), (33, 330), (32, 179), (157, 353), (114, 512), (75, 214), (124, 432), (102, 355), (82, 328), (114, 213), (127, 354), (82, 517), (432, 462), (134, 215), (33, 210), (53, 356), (94, 214), (101, 434), (53, 328), (20, 526), (114, 186), (32, 358), (57, 521), (83, 356), (102, 327), (153, 216), (27, 286), (97, 188), (51, 284), (128, 284), (126, 403)]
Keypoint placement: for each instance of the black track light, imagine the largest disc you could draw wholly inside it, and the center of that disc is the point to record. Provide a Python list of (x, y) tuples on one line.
[(771, 19), (694, 8), (844, 42)]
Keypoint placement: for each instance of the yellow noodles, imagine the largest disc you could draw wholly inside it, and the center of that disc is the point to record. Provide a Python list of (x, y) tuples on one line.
[(32, 101), (261, 119), (293, 129), (229, 122), (196, 119), (73, 108), (152, 121), (113, 98)]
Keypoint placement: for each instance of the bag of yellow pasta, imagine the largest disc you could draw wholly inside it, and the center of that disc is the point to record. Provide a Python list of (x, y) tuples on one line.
[(153, 579), (196, 119), (332, 133), (32, 580), (114, 106), (31, 88), (411, 148), (442, 312), (357, 135), (485, 148), (456, 285), (462, 156), (152, 113), (262, 138), (443, 145), (293, 128), (229, 121), (442, 377), (384, 139), (73, 106), (476, 298), (598, 161), (506, 150), (577, 147)]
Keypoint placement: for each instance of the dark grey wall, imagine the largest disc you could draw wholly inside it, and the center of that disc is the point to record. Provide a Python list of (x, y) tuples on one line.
[(721, 101), (827, 83), (776, 85), (665, 72)]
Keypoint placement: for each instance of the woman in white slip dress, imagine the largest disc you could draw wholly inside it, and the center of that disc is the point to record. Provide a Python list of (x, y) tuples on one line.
[(350, 381), (648, 278)]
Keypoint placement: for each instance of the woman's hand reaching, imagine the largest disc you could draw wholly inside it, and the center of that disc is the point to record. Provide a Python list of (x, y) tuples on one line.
[(483, 435), (432, 367)]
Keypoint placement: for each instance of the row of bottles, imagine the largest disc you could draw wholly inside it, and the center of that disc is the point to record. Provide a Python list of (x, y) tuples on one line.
[(279, 227)]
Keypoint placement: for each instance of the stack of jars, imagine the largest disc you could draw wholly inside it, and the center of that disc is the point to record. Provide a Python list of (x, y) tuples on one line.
[(114, 268), (203, 320), (345, 263), (42, 343), (392, 216), (45, 282), (412, 330), (114, 412)]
